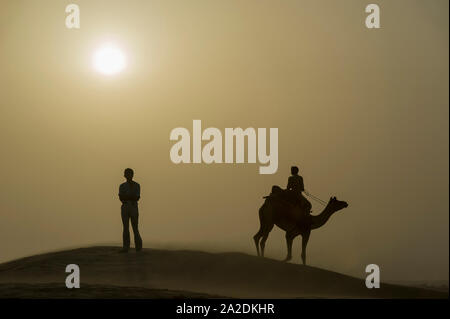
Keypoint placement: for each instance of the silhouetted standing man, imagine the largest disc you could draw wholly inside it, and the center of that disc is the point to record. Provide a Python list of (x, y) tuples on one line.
[(129, 194)]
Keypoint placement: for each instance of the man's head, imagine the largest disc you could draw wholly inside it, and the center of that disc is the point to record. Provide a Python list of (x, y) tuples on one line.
[(128, 174), (294, 170)]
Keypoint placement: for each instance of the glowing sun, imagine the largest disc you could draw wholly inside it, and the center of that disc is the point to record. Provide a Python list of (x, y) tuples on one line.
[(109, 60)]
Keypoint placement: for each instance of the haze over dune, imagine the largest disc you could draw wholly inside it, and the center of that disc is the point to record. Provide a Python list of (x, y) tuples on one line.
[(363, 113), (164, 274)]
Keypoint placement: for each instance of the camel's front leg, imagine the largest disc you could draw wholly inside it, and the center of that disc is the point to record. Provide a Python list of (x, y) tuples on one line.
[(305, 238)]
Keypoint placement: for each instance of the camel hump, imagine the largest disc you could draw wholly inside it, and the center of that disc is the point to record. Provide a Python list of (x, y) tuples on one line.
[(276, 190), (289, 197)]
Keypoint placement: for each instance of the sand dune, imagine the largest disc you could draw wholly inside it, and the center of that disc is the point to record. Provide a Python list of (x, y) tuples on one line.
[(183, 274)]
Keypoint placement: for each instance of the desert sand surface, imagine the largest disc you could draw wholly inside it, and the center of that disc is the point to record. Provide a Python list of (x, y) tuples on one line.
[(153, 273)]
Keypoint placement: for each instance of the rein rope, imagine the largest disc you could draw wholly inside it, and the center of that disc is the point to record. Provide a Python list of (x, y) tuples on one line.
[(317, 199)]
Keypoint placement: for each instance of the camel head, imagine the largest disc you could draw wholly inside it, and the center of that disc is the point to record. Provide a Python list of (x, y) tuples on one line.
[(334, 204)]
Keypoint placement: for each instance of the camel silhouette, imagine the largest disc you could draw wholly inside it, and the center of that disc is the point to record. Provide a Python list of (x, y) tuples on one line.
[(276, 210)]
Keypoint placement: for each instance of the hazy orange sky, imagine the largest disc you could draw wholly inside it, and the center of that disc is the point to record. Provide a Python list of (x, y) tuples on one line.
[(363, 113)]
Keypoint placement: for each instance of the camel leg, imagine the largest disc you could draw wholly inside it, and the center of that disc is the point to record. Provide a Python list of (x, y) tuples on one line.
[(264, 238), (256, 239), (263, 243), (305, 238), (289, 239)]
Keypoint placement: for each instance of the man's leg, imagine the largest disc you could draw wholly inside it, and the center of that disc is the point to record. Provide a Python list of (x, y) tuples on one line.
[(126, 228), (134, 223), (306, 204)]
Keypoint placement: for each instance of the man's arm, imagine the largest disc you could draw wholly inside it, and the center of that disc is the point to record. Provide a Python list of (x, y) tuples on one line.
[(122, 196), (289, 186), (137, 195), (302, 186)]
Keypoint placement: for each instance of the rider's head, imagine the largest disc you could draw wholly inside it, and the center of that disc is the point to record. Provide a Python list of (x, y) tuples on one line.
[(128, 174), (294, 170)]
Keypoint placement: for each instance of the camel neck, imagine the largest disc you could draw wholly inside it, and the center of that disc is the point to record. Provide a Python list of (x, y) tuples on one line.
[(320, 220)]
